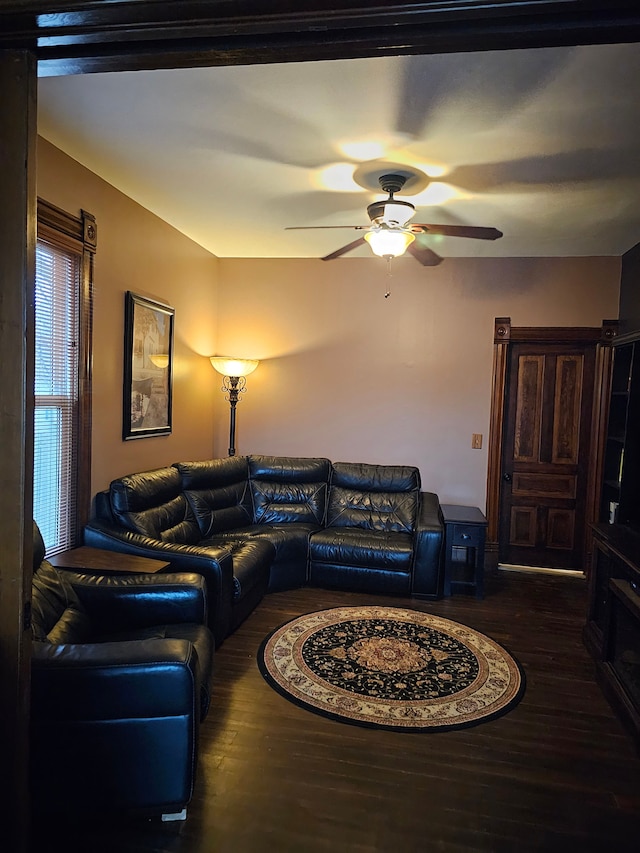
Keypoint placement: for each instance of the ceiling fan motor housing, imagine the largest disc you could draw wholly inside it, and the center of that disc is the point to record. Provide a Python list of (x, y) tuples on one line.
[(390, 211), (392, 183)]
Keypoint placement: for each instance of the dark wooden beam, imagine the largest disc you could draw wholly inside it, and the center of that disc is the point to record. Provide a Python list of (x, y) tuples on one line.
[(78, 36), (17, 275)]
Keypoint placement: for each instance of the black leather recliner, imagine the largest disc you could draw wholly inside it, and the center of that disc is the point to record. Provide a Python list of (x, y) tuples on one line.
[(121, 678)]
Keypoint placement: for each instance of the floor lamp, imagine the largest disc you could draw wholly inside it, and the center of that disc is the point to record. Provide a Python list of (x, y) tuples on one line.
[(234, 383)]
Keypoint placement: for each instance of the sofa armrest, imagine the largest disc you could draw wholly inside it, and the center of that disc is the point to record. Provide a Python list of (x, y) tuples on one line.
[(112, 681), (428, 548), (213, 562), (139, 601)]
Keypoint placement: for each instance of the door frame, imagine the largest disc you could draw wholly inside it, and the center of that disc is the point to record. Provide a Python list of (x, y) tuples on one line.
[(504, 334)]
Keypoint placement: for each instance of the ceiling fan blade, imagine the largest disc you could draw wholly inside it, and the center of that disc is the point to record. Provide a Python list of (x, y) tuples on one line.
[(316, 227), (459, 231), (427, 257), (344, 249)]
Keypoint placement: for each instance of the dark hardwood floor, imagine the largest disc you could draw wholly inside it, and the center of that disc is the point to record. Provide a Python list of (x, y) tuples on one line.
[(556, 773)]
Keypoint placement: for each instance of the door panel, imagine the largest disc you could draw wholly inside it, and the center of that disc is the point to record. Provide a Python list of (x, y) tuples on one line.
[(544, 485), (561, 528), (545, 454), (528, 409), (523, 526), (566, 410)]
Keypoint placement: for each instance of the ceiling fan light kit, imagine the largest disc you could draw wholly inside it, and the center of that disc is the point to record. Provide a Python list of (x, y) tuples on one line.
[(388, 241), (390, 234)]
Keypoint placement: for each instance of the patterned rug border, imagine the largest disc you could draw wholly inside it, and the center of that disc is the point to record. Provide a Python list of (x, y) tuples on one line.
[(342, 718)]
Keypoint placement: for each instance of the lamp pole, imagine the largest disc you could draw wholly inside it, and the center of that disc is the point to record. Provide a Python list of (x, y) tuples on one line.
[(234, 383)]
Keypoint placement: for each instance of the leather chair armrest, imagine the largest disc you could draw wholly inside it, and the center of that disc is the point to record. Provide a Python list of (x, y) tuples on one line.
[(139, 601), (113, 727), (213, 562), (428, 548), (136, 679)]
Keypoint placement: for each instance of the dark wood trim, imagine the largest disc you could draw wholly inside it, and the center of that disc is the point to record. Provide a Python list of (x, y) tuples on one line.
[(60, 224), (85, 366), (566, 334), (628, 338), (18, 96), (501, 336), (601, 394), (78, 234), (123, 35)]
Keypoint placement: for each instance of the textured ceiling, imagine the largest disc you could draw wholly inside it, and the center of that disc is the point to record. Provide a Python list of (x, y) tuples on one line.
[(541, 143)]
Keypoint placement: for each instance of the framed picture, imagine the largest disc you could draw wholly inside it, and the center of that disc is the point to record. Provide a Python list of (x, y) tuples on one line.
[(148, 362)]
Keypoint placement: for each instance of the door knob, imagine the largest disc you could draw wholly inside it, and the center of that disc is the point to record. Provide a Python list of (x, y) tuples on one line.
[(506, 477)]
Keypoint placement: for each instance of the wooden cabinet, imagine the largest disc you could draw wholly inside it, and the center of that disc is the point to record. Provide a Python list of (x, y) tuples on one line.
[(616, 554), (619, 669), (620, 499), (612, 632)]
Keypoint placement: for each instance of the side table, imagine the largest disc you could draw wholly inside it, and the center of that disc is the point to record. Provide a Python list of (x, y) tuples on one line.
[(100, 560), (465, 533)]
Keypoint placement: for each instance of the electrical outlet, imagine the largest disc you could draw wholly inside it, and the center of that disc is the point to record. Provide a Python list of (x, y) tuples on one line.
[(476, 441)]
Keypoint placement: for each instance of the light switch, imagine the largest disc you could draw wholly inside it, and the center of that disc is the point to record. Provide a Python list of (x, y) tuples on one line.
[(476, 441)]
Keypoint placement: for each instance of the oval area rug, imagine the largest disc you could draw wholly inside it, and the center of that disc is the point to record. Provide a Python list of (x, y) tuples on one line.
[(391, 668)]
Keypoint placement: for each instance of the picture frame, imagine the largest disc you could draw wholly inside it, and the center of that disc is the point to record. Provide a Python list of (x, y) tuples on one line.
[(148, 367)]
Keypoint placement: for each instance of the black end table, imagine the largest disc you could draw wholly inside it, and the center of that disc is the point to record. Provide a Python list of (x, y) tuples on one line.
[(465, 533)]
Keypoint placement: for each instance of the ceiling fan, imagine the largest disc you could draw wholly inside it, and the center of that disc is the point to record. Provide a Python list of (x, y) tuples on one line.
[(391, 233)]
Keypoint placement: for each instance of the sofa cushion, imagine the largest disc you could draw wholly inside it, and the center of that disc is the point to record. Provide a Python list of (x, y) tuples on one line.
[(373, 549), (57, 615), (376, 478), (374, 497), (218, 493), (288, 489), (291, 543), (152, 503)]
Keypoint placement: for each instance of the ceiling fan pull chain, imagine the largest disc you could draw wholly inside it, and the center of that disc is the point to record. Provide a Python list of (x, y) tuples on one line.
[(390, 275)]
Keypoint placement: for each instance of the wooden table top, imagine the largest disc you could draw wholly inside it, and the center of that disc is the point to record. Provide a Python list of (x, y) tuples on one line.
[(98, 559), (462, 514)]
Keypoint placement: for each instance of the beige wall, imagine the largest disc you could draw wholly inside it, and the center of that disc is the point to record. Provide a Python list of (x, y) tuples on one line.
[(139, 252), (353, 376), (346, 373)]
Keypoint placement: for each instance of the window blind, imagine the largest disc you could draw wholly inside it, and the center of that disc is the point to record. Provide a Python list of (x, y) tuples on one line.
[(56, 394)]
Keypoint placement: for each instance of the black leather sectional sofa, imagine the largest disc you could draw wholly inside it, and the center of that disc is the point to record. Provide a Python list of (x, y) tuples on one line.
[(252, 524)]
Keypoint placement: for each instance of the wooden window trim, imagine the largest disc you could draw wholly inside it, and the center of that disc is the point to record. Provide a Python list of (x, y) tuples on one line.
[(78, 234)]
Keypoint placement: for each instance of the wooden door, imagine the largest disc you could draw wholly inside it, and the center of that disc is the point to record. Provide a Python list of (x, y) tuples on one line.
[(548, 408)]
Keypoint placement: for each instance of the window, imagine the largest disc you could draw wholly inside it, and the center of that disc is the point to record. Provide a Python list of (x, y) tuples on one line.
[(62, 426)]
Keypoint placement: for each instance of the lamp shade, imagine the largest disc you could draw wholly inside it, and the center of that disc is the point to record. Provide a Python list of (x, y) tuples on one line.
[(389, 242), (228, 366), (160, 359)]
